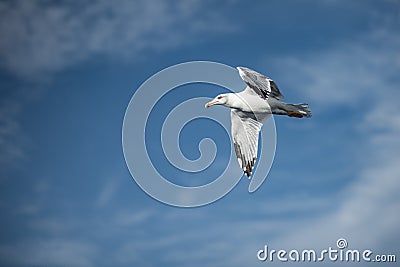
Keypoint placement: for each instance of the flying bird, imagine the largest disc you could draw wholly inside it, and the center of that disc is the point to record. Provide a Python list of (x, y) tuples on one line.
[(250, 108)]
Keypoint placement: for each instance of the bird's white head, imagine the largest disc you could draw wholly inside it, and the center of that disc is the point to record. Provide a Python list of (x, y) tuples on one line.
[(221, 99)]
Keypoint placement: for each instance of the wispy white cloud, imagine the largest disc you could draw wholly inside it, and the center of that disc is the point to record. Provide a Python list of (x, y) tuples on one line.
[(351, 73), (40, 36), (133, 218), (107, 192), (11, 137)]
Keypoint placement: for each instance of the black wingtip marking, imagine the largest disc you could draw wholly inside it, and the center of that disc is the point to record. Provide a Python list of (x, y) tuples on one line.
[(249, 167)]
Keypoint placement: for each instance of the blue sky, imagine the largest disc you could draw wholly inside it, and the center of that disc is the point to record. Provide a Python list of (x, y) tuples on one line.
[(68, 71)]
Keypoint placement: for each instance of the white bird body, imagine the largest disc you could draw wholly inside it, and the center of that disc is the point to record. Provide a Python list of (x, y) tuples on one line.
[(250, 108), (253, 102)]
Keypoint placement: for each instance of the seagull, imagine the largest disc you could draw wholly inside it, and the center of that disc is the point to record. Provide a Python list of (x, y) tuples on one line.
[(250, 108)]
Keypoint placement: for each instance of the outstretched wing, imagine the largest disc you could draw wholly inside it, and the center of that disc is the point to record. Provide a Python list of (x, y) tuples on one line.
[(275, 93), (261, 84), (245, 131)]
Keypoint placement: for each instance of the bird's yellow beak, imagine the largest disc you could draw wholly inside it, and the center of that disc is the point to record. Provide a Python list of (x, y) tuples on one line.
[(211, 103)]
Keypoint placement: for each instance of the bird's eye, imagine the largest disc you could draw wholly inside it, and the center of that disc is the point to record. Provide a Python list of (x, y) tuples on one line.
[(219, 97)]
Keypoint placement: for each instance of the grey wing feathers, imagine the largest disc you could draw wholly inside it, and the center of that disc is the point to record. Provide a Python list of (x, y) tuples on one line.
[(256, 81), (245, 131), (261, 84)]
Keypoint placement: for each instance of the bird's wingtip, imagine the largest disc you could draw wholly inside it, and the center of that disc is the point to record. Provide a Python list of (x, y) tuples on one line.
[(241, 72)]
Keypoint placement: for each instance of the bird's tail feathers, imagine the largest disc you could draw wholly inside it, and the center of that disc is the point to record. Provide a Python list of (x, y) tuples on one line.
[(299, 110)]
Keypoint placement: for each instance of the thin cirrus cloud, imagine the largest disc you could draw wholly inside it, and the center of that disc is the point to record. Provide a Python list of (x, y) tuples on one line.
[(39, 38), (11, 137)]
